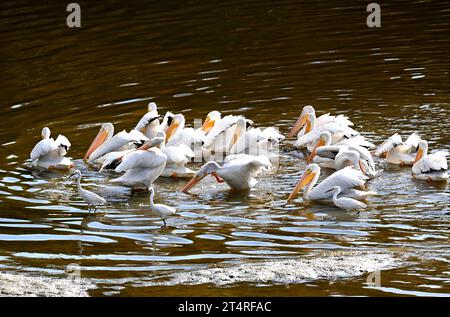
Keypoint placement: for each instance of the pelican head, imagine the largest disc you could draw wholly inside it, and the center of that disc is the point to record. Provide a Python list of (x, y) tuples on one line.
[(104, 134), (176, 123), (308, 175), (302, 120), (324, 140), (210, 120), (45, 133), (207, 169), (423, 149), (152, 107)]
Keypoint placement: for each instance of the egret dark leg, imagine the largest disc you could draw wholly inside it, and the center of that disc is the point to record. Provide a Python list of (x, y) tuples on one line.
[(164, 225)]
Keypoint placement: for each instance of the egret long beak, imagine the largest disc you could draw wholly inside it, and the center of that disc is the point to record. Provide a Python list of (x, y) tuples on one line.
[(194, 181), (207, 125), (314, 152), (172, 128), (418, 156), (305, 180), (302, 119), (98, 140)]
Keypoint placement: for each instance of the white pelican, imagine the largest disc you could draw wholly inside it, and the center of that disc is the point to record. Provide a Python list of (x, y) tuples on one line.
[(348, 179), (346, 203), (238, 171), (142, 166), (174, 126), (177, 134), (50, 154), (398, 152), (339, 131), (257, 142), (177, 157), (92, 199), (149, 123), (430, 167), (339, 156), (105, 142), (210, 121), (301, 125), (225, 133), (163, 211)]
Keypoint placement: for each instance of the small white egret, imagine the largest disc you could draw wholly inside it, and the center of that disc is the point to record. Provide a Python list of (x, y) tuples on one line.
[(346, 203), (92, 199), (163, 211)]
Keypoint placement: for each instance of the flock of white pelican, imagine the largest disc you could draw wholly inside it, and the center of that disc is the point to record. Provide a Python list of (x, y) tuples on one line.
[(236, 152)]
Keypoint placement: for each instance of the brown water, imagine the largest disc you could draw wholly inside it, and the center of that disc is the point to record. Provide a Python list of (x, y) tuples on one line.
[(263, 59)]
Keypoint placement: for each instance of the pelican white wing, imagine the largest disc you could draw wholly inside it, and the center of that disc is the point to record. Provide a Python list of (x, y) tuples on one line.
[(43, 148), (332, 127), (141, 159), (346, 178), (388, 144), (435, 162)]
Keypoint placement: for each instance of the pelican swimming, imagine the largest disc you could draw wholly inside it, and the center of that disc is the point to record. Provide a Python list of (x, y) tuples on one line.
[(210, 121), (255, 141), (348, 179), (340, 155), (177, 157), (179, 134), (163, 211), (49, 154), (345, 203), (238, 171), (92, 199), (338, 130), (430, 167), (142, 166), (301, 125), (398, 152), (225, 133), (105, 143)]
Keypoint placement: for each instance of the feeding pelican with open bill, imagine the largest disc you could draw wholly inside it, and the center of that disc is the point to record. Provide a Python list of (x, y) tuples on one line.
[(142, 166), (346, 203), (92, 199), (348, 179), (397, 152), (49, 154), (163, 211), (105, 143), (238, 171), (430, 167), (303, 124)]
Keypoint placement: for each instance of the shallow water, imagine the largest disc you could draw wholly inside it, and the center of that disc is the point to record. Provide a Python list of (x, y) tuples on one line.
[(262, 59)]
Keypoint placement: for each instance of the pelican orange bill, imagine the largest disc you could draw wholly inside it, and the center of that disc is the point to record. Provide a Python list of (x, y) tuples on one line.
[(306, 179), (98, 140), (302, 119)]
